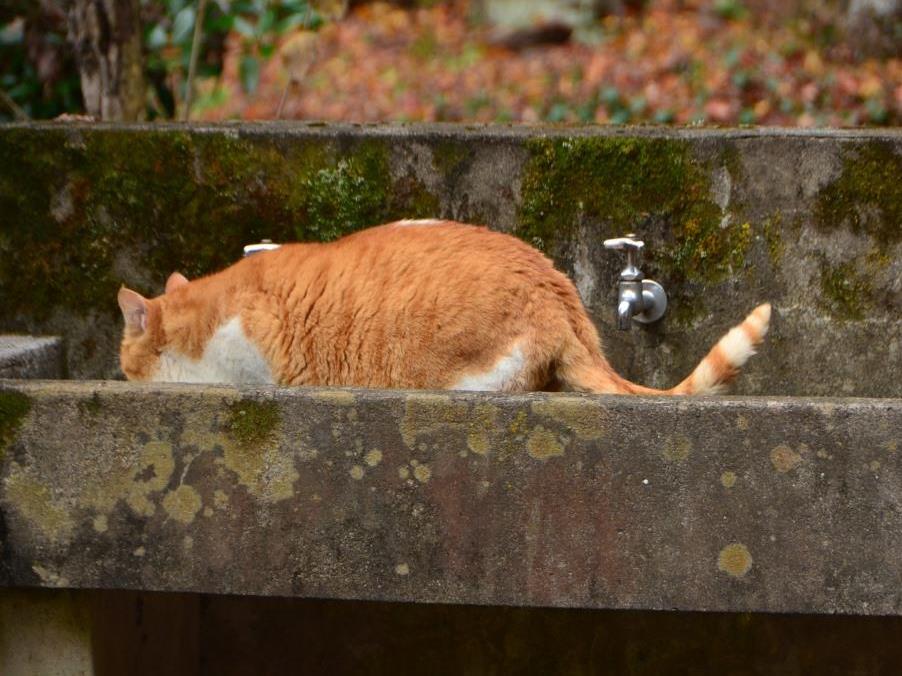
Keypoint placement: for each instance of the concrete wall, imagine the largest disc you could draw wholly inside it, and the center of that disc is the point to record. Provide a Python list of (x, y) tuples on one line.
[(809, 220), (31, 357), (552, 500)]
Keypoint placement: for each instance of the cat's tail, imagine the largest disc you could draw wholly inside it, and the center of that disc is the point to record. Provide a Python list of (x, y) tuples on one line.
[(711, 376)]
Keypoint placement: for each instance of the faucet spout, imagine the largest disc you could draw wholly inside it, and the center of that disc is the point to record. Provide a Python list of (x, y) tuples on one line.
[(638, 298), (624, 314)]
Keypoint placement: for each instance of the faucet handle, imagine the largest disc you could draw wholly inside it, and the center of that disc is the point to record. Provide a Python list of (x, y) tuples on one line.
[(628, 242), (633, 248)]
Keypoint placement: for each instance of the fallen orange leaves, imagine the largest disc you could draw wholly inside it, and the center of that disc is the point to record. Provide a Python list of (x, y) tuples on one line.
[(666, 64)]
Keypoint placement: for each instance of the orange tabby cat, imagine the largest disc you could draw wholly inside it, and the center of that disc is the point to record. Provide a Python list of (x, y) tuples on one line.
[(412, 304)]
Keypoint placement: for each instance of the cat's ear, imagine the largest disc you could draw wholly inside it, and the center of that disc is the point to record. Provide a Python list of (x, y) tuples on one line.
[(176, 279), (134, 310)]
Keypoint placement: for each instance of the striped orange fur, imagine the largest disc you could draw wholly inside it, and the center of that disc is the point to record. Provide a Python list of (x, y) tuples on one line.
[(410, 304)]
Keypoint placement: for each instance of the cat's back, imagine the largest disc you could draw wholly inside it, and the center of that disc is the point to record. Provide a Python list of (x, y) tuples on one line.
[(425, 243), (412, 251), (403, 304)]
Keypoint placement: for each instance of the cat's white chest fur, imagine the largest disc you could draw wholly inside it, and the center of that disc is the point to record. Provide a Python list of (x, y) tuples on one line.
[(230, 357)]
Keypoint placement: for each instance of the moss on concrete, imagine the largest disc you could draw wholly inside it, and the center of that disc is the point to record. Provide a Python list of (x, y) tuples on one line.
[(772, 227), (252, 423), (85, 211), (14, 406), (867, 195), (622, 183), (846, 295), (732, 160), (92, 407), (449, 157)]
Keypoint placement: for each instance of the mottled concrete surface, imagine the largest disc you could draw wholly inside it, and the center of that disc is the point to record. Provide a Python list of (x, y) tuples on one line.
[(731, 504), (809, 220), (31, 357)]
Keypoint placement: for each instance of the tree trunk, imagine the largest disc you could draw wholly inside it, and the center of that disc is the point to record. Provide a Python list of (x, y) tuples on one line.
[(106, 39)]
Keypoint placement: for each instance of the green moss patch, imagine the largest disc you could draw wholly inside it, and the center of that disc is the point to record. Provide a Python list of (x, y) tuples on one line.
[(252, 423), (449, 157), (867, 196), (85, 211), (772, 229), (14, 406), (619, 184), (846, 294)]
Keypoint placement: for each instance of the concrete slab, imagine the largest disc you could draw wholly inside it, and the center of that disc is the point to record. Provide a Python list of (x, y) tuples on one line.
[(31, 357), (729, 504)]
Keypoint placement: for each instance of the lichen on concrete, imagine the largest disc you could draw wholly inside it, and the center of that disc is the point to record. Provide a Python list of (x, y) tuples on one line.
[(37, 504), (735, 560), (250, 449), (132, 482), (676, 448), (424, 413), (784, 459), (543, 444), (482, 423), (580, 416), (182, 504)]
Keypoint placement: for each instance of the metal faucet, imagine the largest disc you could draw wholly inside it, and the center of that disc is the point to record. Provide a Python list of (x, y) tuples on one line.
[(264, 245), (637, 298)]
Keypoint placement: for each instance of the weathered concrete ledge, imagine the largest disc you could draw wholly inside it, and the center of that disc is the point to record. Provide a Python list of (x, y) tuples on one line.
[(726, 504), (809, 220), (31, 357)]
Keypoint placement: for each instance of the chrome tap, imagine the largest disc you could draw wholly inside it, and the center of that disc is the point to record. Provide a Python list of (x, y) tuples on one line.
[(637, 298), (264, 245)]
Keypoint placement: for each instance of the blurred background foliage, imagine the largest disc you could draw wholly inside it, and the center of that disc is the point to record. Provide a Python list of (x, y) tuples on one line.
[(787, 62), (255, 25)]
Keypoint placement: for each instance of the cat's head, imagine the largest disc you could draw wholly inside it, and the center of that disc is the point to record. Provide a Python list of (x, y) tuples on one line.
[(144, 338)]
